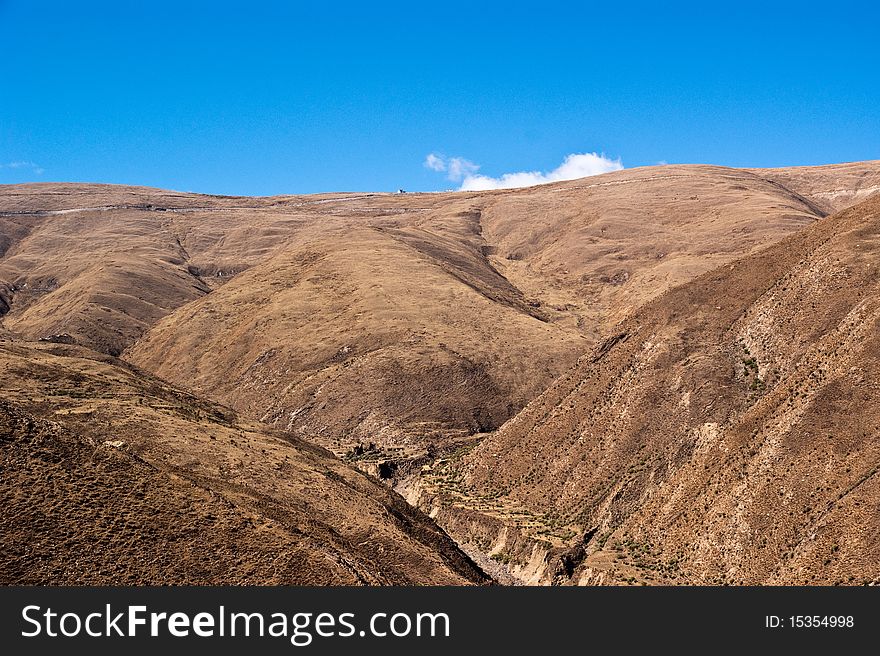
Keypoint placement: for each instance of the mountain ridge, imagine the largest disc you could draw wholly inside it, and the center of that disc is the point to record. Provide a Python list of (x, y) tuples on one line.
[(545, 372)]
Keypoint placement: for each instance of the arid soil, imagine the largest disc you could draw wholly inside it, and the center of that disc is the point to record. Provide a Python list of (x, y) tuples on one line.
[(112, 476), (582, 382), (726, 433), (431, 306)]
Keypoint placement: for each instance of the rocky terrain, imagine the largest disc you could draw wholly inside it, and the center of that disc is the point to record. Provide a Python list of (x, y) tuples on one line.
[(111, 476), (726, 433), (657, 375)]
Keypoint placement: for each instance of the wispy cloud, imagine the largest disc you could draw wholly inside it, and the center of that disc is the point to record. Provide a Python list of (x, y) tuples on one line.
[(31, 166), (576, 165), (455, 168), (435, 162)]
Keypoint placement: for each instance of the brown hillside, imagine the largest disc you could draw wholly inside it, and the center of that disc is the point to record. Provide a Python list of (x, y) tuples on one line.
[(832, 188), (408, 319), (109, 476), (728, 432), (418, 323)]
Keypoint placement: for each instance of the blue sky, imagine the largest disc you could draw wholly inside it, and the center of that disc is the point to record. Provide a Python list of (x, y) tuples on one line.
[(266, 98)]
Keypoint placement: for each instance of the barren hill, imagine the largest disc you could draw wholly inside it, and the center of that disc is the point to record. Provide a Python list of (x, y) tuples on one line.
[(395, 319), (831, 188), (110, 476), (404, 320), (399, 330), (727, 432)]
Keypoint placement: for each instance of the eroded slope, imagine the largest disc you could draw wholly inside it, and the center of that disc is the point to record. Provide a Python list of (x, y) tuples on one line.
[(728, 432), (400, 320), (412, 328), (110, 476)]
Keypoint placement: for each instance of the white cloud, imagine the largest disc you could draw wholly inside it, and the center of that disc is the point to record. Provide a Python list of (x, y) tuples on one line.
[(36, 168), (435, 162), (576, 165), (455, 168), (461, 169)]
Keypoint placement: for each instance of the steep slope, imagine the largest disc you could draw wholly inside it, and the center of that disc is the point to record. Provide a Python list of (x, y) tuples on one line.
[(603, 246), (111, 476), (414, 328), (404, 320), (373, 334), (728, 432), (418, 322)]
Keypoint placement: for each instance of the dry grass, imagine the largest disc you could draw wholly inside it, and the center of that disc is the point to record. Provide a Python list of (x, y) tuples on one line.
[(723, 434), (734, 428), (111, 476)]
